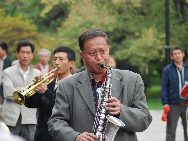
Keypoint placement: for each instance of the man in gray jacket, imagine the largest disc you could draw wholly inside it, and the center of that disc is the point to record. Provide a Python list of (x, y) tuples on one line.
[(77, 97), (20, 119)]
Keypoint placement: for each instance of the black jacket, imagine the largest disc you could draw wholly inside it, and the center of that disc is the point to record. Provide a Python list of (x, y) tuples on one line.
[(170, 84), (44, 103), (7, 63)]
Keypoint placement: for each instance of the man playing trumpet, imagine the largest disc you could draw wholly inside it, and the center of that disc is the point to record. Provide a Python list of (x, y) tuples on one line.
[(44, 99)]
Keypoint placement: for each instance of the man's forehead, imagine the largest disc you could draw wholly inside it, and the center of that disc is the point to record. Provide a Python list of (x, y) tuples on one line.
[(98, 43), (25, 48), (177, 51), (44, 54), (60, 54)]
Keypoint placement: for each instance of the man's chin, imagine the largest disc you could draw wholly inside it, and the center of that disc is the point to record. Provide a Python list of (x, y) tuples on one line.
[(24, 64), (99, 71)]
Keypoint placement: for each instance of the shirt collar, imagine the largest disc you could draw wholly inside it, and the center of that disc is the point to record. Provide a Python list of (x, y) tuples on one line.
[(56, 80), (23, 72)]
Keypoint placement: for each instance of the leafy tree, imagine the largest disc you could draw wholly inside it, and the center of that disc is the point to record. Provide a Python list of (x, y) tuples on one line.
[(78, 21), (136, 27), (14, 29)]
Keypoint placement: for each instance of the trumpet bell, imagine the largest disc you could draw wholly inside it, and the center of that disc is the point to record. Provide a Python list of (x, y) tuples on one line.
[(18, 97), (31, 89)]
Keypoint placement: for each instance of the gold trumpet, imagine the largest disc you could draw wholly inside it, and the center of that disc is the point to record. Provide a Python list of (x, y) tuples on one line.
[(19, 97)]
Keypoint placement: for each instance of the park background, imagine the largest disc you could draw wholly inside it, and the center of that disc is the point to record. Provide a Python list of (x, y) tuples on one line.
[(136, 30)]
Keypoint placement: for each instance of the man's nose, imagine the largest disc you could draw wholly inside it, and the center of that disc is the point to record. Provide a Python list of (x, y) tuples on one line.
[(56, 62), (25, 54), (98, 56)]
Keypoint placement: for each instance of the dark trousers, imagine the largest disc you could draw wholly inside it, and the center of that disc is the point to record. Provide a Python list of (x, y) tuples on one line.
[(25, 131), (176, 111)]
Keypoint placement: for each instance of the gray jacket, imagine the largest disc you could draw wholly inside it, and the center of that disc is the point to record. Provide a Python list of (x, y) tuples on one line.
[(11, 111), (74, 109)]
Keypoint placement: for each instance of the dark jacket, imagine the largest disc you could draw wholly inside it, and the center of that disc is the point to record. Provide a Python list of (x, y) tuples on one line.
[(7, 63), (170, 84), (44, 103), (74, 111)]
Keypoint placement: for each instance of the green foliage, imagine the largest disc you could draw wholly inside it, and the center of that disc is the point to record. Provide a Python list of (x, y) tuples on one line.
[(27, 9), (153, 97), (78, 21), (136, 27), (145, 51), (154, 91), (154, 104), (14, 29)]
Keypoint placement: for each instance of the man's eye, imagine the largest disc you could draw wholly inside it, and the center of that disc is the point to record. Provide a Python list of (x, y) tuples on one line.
[(93, 53), (102, 51)]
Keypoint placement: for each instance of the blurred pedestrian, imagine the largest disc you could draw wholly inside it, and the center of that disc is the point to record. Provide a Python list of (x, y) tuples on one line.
[(5, 62), (113, 63), (44, 58), (174, 77)]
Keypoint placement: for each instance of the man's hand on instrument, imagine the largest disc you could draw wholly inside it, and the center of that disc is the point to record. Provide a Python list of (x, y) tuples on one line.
[(42, 88), (18, 89), (113, 105), (86, 137)]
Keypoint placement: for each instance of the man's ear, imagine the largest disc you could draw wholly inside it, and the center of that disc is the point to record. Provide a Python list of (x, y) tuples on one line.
[(32, 56), (82, 55), (72, 64), (183, 54)]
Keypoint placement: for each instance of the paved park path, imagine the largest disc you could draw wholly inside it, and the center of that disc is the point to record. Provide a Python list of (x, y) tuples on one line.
[(157, 129)]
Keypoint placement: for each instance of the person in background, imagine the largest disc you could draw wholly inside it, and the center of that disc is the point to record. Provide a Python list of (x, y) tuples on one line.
[(113, 62), (75, 107), (20, 120), (44, 58), (5, 62), (174, 77), (63, 59)]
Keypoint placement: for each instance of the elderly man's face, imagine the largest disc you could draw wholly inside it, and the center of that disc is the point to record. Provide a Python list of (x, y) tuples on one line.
[(44, 58), (96, 50)]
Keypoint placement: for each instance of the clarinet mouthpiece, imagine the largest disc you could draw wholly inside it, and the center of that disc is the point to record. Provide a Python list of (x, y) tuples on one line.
[(102, 65)]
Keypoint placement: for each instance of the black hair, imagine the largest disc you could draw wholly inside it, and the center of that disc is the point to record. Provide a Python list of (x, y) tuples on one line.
[(89, 34), (4, 46), (176, 48), (70, 53), (23, 43)]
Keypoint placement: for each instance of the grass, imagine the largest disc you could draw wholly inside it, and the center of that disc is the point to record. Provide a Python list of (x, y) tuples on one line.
[(153, 97), (154, 104), (153, 92)]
